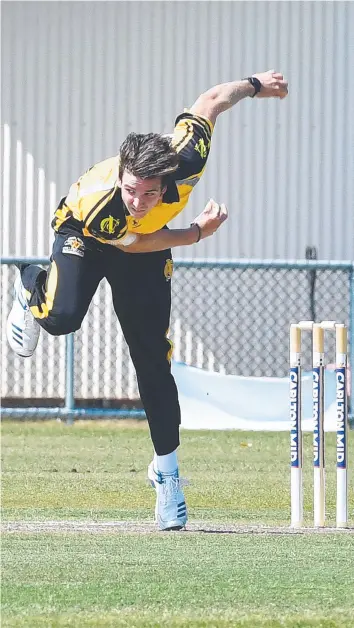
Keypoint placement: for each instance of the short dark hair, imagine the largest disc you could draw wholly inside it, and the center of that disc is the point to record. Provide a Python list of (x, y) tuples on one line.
[(148, 156)]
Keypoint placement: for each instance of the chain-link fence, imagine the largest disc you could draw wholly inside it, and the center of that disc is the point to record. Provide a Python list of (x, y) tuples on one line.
[(230, 317)]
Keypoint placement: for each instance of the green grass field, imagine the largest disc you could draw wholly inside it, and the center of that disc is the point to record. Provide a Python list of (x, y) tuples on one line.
[(79, 547)]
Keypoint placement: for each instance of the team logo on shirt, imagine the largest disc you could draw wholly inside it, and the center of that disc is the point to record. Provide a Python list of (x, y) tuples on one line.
[(201, 148), (74, 246), (168, 270), (109, 225)]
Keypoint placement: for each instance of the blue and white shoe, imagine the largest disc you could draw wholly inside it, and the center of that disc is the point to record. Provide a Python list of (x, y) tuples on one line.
[(22, 329), (171, 509)]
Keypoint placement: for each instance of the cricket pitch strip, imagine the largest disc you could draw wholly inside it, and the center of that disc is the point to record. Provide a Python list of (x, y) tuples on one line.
[(149, 527)]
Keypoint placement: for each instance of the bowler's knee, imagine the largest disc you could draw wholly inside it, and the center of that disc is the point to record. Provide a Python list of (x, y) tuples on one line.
[(61, 323)]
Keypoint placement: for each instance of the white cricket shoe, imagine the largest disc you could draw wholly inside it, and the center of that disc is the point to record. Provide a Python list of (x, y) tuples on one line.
[(22, 328), (171, 509)]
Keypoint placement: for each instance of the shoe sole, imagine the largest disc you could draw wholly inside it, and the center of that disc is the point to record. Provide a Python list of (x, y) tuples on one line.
[(174, 524)]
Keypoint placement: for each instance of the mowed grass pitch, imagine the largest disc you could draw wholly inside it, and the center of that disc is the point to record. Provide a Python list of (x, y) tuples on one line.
[(238, 565)]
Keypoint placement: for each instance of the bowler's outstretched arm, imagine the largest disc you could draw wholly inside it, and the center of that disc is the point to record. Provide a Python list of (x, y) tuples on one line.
[(210, 104)]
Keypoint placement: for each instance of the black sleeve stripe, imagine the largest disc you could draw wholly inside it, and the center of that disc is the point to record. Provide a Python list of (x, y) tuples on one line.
[(204, 122), (88, 218), (206, 130), (185, 139), (193, 118)]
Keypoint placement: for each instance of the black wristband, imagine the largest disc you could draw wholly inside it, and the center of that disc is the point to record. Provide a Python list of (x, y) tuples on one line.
[(255, 83), (195, 224)]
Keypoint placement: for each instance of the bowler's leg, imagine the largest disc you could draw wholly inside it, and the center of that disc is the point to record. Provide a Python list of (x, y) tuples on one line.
[(142, 301), (56, 299)]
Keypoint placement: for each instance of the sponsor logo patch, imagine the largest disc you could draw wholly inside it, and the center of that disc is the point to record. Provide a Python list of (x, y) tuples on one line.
[(168, 270), (74, 246)]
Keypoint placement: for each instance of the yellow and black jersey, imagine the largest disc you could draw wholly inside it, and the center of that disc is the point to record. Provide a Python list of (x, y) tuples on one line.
[(94, 204)]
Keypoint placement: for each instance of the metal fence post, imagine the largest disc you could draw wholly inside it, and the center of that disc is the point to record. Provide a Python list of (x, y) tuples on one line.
[(69, 378)]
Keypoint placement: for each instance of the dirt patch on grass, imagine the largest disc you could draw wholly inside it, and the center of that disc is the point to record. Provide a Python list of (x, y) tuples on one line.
[(147, 527)]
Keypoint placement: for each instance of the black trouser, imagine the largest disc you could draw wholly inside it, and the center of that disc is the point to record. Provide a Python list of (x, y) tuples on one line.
[(141, 291)]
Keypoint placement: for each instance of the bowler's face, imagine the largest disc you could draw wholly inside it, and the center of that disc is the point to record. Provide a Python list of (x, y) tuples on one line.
[(140, 195)]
